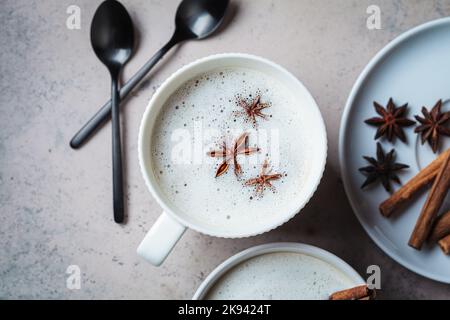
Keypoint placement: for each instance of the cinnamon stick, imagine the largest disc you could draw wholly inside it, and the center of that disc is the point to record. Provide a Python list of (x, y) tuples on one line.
[(410, 189), (441, 228), (357, 293), (445, 244), (432, 205)]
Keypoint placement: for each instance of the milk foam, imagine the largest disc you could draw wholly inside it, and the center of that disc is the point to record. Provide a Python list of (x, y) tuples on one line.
[(280, 276), (208, 102)]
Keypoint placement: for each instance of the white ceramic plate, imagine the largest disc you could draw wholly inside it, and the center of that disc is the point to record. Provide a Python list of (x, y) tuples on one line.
[(305, 249), (414, 69)]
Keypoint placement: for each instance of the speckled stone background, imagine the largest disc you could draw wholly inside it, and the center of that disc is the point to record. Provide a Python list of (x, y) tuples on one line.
[(55, 203)]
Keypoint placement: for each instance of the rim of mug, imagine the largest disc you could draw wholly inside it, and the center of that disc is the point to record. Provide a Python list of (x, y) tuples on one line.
[(277, 247), (149, 183)]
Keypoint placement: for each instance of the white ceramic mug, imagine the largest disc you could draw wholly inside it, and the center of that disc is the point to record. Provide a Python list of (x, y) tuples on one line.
[(299, 248), (171, 225)]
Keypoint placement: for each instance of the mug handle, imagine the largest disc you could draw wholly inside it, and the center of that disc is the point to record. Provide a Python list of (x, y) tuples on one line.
[(161, 239)]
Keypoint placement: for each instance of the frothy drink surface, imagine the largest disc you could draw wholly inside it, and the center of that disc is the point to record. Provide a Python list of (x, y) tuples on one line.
[(199, 117), (280, 276)]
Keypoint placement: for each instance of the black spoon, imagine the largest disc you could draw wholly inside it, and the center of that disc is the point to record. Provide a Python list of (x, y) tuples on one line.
[(195, 19), (112, 37)]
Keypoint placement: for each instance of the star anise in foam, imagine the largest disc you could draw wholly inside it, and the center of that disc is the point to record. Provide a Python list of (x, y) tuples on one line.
[(432, 126), (253, 109), (391, 122), (383, 168), (229, 155), (264, 179)]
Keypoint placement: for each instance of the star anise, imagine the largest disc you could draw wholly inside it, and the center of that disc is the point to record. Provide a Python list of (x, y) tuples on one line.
[(229, 155), (382, 168), (264, 178), (433, 125), (391, 122), (253, 109)]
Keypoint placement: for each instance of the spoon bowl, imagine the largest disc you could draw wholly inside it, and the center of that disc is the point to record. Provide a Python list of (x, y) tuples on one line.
[(112, 34), (197, 19)]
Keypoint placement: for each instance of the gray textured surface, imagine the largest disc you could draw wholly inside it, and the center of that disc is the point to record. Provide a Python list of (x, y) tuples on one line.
[(55, 203)]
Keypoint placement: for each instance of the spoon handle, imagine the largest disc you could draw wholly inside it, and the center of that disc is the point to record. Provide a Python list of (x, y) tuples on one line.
[(116, 155), (104, 113)]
